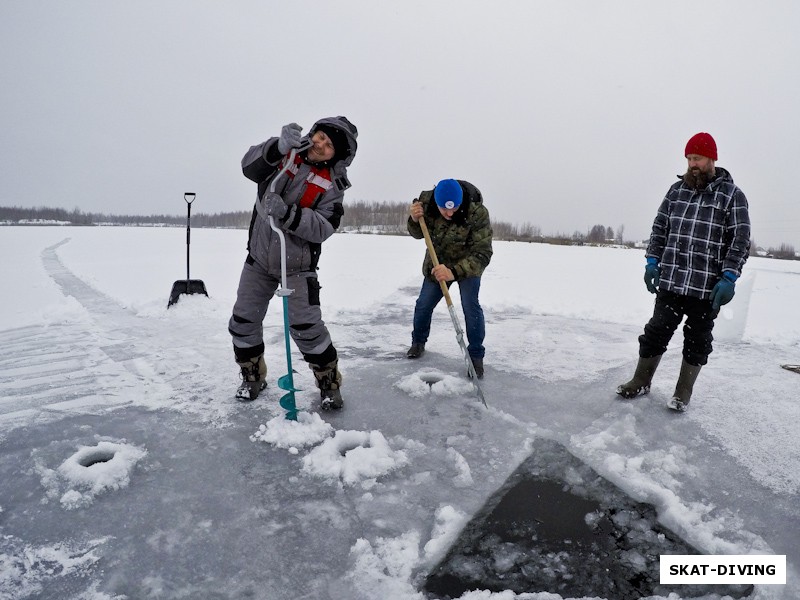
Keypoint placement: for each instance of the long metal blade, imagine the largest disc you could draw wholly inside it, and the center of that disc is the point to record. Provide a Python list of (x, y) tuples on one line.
[(470, 367)]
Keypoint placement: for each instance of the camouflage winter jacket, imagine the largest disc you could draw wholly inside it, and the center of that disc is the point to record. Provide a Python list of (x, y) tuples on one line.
[(698, 234), (314, 193), (463, 244)]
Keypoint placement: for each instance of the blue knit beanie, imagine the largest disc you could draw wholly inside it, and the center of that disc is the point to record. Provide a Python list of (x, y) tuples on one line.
[(448, 194)]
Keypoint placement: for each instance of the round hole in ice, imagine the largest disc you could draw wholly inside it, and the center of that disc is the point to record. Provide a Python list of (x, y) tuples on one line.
[(93, 458), (344, 448), (431, 378)]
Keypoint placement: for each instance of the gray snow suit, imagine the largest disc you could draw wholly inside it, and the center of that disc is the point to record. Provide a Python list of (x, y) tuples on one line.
[(314, 192)]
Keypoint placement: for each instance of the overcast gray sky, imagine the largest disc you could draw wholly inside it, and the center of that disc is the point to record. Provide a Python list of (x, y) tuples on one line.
[(565, 114)]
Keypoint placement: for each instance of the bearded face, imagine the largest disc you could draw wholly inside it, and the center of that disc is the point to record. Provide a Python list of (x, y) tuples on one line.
[(699, 173), (696, 179)]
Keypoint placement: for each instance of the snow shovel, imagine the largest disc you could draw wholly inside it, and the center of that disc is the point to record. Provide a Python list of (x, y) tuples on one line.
[(187, 286), (459, 332), (285, 382)]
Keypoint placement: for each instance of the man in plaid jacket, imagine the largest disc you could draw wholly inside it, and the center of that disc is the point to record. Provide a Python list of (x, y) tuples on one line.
[(698, 246)]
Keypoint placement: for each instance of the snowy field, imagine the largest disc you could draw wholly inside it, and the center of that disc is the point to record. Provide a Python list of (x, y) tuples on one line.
[(128, 471)]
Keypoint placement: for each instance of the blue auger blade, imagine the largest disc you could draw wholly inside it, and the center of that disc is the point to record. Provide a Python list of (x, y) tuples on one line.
[(287, 383), (287, 403)]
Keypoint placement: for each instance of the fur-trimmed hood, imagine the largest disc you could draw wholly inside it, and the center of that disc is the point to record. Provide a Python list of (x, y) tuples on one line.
[(351, 133)]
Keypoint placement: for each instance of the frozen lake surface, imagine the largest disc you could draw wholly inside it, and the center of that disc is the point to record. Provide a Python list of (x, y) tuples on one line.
[(129, 471)]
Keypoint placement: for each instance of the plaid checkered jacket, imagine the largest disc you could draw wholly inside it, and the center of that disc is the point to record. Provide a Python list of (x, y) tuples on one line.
[(698, 234)]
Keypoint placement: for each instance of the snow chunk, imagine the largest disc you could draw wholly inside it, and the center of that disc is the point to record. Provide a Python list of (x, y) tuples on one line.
[(464, 476), (449, 522), (308, 430), (384, 570), (353, 456)]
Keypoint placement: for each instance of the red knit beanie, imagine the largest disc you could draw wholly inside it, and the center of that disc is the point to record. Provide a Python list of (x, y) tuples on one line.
[(702, 144)]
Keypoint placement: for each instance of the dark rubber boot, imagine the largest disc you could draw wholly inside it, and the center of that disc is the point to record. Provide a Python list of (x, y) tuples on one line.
[(642, 378), (683, 389)]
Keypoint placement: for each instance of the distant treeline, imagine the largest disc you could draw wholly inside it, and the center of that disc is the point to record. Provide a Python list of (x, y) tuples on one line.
[(15, 214), (360, 216)]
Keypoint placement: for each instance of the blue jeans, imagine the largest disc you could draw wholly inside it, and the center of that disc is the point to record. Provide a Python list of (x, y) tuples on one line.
[(429, 297)]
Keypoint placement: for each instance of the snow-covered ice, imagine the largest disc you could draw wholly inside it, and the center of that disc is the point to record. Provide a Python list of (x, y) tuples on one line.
[(129, 471)]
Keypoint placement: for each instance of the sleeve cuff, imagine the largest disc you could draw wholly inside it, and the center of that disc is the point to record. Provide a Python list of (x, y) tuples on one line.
[(272, 155), (730, 276)]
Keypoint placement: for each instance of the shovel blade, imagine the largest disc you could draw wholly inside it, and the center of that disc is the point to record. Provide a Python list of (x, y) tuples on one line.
[(186, 286)]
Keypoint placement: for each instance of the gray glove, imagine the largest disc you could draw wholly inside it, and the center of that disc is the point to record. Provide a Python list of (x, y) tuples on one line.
[(290, 138), (275, 206)]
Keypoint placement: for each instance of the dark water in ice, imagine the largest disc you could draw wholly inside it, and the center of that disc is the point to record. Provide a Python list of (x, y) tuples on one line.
[(557, 526)]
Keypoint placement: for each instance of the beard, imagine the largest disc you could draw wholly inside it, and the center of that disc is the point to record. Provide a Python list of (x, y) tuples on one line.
[(697, 179)]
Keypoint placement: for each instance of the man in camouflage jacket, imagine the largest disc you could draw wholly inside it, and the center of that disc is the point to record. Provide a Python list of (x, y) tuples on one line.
[(461, 234), (698, 246)]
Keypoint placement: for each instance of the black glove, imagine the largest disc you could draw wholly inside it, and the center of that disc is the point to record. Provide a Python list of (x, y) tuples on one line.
[(275, 206), (290, 138)]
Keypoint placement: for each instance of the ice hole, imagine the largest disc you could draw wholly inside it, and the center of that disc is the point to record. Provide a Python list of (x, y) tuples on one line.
[(344, 448), (431, 378), (98, 456), (557, 526)]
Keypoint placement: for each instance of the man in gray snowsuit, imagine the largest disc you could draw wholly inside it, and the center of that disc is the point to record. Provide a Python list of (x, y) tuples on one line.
[(307, 206), (698, 246)]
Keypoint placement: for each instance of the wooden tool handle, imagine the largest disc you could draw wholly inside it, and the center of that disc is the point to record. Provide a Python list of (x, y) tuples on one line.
[(435, 260)]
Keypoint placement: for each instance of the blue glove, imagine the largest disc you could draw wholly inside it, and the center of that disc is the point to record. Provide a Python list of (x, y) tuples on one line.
[(290, 138), (275, 206), (724, 290), (652, 274)]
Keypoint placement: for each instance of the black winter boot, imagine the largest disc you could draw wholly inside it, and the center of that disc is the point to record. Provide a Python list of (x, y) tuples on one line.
[(254, 378), (477, 364), (331, 400), (642, 378), (329, 380), (683, 390), (415, 351)]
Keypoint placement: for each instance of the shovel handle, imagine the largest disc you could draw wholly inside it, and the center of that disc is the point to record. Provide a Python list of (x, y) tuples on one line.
[(189, 197), (435, 260)]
